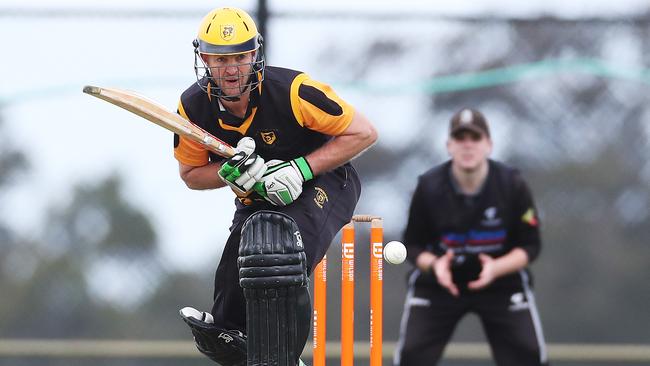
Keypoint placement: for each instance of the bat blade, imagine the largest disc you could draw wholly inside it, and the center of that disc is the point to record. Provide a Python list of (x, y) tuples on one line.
[(156, 113)]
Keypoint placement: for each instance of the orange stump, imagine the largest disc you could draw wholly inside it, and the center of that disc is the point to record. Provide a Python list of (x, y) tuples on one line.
[(347, 296), (376, 291), (320, 313)]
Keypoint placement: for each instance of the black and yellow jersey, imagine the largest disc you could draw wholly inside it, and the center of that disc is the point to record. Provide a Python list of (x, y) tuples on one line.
[(289, 115)]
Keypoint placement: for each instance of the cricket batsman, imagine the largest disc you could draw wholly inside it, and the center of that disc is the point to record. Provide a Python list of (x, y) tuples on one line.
[(294, 185)]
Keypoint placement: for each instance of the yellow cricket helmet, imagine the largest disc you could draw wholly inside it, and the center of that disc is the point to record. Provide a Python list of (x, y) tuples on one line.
[(228, 31)]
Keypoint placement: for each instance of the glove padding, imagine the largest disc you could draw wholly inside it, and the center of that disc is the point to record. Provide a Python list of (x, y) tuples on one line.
[(245, 168), (282, 182)]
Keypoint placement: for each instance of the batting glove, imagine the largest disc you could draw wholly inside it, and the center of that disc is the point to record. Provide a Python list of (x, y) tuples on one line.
[(282, 182), (245, 168)]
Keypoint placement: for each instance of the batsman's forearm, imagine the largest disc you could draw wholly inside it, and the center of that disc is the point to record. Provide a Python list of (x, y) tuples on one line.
[(202, 177), (343, 148), (333, 154)]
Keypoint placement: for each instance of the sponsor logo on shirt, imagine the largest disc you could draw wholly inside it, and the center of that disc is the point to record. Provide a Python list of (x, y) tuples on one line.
[(490, 217)]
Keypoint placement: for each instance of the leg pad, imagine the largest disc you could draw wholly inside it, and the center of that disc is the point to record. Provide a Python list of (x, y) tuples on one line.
[(273, 275)]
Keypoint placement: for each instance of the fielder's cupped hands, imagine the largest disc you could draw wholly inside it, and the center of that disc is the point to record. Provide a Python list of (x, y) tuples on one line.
[(487, 275), (442, 268)]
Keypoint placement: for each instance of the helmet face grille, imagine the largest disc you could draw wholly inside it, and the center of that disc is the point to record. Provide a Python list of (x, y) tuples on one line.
[(210, 79)]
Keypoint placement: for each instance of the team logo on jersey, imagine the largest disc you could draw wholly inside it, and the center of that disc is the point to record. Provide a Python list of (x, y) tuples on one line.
[(321, 197), (518, 302), (227, 31), (529, 217), (491, 218), (268, 137)]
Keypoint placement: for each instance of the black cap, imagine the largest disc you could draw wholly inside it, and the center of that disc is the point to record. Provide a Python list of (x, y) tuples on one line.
[(468, 119)]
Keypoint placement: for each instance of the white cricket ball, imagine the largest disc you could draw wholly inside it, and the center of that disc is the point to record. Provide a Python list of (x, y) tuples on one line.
[(394, 252)]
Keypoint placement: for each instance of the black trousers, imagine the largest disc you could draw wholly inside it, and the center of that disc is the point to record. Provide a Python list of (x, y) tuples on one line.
[(508, 315), (326, 204)]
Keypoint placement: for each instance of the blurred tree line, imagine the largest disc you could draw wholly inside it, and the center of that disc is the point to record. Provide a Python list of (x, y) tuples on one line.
[(93, 271)]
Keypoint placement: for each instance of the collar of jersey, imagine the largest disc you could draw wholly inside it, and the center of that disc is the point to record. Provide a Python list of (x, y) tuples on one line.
[(459, 191), (252, 110)]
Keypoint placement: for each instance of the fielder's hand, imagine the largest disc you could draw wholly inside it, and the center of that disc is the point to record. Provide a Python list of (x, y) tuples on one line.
[(282, 182), (488, 273), (442, 268), (245, 168)]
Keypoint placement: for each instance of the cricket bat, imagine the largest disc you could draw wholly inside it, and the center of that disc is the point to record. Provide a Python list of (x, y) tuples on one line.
[(156, 113)]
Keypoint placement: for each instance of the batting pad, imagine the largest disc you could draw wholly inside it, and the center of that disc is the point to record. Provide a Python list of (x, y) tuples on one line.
[(273, 275)]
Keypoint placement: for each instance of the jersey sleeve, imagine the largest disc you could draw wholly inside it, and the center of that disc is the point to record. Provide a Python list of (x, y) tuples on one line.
[(187, 151), (419, 234), (527, 223), (317, 107)]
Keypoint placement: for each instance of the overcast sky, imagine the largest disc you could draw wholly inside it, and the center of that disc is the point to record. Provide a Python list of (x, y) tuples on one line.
[(565, 8)]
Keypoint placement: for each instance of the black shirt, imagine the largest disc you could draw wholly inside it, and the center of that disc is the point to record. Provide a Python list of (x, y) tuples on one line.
[(500, 217)]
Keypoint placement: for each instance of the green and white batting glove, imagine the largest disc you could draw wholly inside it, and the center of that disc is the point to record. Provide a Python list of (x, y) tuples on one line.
[(282, 182), (245, 168)]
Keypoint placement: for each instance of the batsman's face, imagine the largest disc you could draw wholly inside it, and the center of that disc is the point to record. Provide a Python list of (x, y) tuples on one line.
[(231, 73), (469, 149)]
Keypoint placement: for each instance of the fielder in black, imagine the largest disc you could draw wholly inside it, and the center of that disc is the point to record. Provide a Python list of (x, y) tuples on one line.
[(295, 188), (472, 230)]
